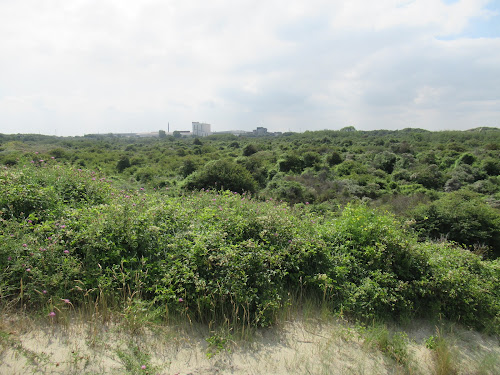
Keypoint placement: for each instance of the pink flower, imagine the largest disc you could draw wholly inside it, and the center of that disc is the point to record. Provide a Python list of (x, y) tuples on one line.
[(52, 314), (66, 251), (24, 245), (44, 291), (28, 269), (180, 299), (143, 367), (65, 300)]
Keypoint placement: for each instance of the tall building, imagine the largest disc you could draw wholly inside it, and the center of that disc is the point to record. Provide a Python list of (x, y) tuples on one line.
[(200, 129), (260, 131)]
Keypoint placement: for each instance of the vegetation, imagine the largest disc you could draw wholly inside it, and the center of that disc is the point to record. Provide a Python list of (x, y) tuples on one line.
[(68, 235), (231, 232)]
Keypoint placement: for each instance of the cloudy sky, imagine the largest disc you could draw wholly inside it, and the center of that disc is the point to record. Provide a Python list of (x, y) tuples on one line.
[(73, 67)]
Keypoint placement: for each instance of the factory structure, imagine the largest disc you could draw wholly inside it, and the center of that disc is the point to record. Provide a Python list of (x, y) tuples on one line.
[(201, 129)]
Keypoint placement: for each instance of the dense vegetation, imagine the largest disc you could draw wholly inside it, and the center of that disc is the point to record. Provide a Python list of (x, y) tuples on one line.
[(152, 223), (446, 184)]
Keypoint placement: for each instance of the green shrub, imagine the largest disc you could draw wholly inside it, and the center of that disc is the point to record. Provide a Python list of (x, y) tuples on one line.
[(460, 216), (218, 257), (222, 175)]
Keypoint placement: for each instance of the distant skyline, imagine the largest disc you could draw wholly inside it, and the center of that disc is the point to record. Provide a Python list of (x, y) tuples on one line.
[(75, 67)]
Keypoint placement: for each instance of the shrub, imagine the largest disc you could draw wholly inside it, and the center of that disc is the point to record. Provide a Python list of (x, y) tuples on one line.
[(460, 216), (249, 149), (222, 175), (291, 163), (334, 158)]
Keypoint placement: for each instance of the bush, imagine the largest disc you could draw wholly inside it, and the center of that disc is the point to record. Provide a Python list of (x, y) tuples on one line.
[(460, 216), (224, 257), (222, 175), (289, 191), (291, 163)]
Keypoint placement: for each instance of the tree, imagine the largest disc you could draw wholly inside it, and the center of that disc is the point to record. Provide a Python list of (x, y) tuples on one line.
[(162, 134)]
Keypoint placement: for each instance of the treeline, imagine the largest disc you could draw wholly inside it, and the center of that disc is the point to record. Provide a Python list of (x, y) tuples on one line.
[(444, 184)]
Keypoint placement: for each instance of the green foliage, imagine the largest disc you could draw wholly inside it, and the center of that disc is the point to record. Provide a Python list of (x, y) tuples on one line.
[(249, 149), (222, 174), (123, 164), (334, 158), (188, 167), (291, 163), (394, 345), (462, 217), (290, 191), (385, 161), (219, 256)]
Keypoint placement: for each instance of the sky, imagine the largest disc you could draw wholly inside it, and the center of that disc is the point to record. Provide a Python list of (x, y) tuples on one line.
[(75, 67)]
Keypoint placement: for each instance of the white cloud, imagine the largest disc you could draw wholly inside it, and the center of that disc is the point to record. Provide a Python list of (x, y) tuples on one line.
[(109, 65)]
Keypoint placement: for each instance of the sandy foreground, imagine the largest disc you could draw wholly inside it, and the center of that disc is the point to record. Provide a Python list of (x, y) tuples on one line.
[(295, 347)]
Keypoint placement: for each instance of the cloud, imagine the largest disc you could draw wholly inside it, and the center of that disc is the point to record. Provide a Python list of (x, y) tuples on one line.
[(78, 66)]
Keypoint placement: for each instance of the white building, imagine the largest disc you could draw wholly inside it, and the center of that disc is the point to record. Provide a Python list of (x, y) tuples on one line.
[(200, 129)]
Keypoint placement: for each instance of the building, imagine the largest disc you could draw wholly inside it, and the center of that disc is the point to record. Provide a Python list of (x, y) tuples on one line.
[(200, 129), (260, 131)]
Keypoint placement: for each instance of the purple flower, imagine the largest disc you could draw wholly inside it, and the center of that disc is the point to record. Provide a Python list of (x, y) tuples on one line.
[(63, 226), (28, 269), (143, 367), (44, 291), (66, 251), (24, 245), (180, 299), (52, 314), (65, 300), (9, 258)]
